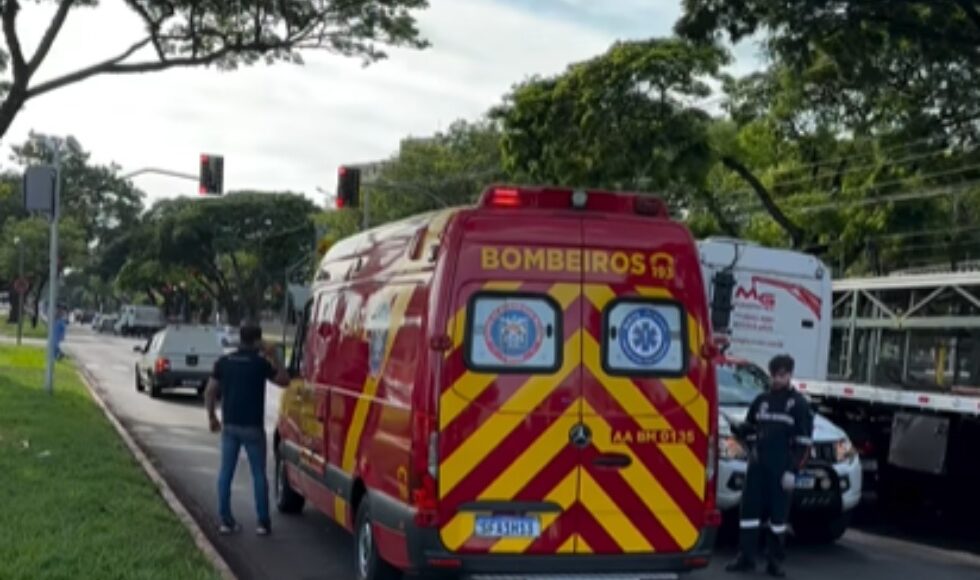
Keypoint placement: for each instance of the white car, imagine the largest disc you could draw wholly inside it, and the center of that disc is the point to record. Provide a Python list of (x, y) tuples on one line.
[(828, 487), (179, 356)]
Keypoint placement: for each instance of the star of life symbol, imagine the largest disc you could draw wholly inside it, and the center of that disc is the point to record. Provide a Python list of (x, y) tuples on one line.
[(645, 337)]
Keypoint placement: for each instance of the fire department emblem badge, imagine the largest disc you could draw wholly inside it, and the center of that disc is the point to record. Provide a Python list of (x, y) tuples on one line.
[(513, 333), (645, 337)]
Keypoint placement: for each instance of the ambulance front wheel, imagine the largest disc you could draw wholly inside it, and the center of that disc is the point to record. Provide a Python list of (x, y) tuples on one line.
[(288, 501), (821, 529), (367, 561)]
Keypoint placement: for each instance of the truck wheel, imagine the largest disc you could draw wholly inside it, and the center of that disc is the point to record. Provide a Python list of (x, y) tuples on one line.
[(822, 529), (139, 382), (368, 564), (287, 499), (155, 389)]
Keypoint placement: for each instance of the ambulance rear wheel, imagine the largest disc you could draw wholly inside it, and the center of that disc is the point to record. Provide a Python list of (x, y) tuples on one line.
[(368, 564), (288, 501)]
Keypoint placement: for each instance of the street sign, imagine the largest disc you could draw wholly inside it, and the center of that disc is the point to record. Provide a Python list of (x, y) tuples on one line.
[(21, 285), (39, 189)]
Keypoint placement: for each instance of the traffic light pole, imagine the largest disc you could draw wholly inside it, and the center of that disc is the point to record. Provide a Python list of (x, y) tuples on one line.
[(53, 277), (158, 171), (365, 204)]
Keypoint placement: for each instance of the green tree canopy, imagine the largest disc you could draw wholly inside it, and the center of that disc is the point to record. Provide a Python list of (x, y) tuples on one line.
[(224, 34), (628, 119)]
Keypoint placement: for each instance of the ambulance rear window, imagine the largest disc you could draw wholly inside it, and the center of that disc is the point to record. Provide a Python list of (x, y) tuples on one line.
[(513, 333), (645, 337)]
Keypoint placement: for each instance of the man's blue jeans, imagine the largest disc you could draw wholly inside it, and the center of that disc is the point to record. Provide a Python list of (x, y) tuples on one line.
[(233, 438)]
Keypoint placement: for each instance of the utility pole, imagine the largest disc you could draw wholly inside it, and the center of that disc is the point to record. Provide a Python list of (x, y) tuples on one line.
[(53, 274)]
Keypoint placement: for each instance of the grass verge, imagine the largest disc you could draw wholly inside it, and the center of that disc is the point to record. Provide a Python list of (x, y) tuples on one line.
[(7, 329), (75, 503)]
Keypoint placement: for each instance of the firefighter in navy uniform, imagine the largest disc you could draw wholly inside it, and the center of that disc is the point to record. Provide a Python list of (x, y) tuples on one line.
[(778, 430)]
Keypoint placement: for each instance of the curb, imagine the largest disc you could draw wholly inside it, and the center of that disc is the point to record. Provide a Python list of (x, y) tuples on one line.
[(200, 539)]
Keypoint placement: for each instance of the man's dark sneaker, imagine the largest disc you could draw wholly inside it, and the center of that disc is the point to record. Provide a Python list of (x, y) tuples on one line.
[(740, 564), (775, 570), (263, 530), (229, 528)]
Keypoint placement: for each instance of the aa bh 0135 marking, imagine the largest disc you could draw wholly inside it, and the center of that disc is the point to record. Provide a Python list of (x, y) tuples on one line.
[(654, 436)]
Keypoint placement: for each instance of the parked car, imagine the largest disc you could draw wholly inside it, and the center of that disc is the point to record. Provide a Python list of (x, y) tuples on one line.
[(106, 324), (828, 487), (229, 336), (137, 320), (180, 356)]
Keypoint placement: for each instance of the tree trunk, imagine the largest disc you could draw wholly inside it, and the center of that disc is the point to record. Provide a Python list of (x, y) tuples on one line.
[(37, 300), (11, 105), (795, 232), (711, 204), (14, 315)]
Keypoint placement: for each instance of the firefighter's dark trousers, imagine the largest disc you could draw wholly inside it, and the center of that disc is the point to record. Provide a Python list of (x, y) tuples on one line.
[(765, 508)]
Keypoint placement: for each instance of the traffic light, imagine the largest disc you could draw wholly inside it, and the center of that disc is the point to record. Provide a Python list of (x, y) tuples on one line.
[(212, 176), (348, 187)]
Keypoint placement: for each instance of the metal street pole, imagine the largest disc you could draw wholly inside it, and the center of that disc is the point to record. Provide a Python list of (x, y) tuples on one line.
[(364, 211), (53, 275), (20, 293)]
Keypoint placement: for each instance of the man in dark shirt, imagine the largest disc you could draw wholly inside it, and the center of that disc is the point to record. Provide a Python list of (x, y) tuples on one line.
[(239, 379)]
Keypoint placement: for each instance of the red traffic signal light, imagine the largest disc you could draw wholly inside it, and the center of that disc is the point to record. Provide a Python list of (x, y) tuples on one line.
[(212, 175), (348, 187)]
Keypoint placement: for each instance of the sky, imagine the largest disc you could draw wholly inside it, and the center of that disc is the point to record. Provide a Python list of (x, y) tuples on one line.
[(288, 127)]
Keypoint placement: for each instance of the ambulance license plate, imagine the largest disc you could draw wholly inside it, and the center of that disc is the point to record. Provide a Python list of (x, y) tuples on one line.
[(805, 482), (190, 383), (507, 527)]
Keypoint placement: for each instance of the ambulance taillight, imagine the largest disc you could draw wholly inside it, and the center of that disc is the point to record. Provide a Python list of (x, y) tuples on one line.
[(425, 470)]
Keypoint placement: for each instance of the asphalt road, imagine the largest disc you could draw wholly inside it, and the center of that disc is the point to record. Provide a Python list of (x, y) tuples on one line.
[(173, 431)]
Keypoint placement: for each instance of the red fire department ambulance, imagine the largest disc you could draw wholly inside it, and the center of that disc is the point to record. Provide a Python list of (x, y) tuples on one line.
[(521, 387)]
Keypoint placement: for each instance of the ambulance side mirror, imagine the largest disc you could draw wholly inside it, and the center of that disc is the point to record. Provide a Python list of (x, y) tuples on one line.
[(723, 284)]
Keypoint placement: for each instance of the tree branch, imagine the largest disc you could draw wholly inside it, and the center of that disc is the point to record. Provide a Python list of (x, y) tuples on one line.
[(795, 232), (10, 10), (152, 25), (115, 65), (84, 73), (971, 12), (54, 27), (711, 204)]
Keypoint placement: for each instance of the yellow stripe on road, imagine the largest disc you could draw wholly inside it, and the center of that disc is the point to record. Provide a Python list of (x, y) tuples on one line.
[(657, 500), (505, 419)]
